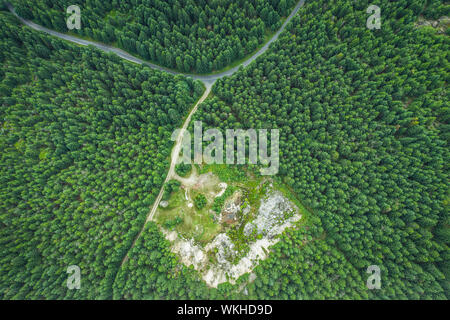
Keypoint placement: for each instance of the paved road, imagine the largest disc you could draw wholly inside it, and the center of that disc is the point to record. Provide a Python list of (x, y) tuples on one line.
[(208, 80)]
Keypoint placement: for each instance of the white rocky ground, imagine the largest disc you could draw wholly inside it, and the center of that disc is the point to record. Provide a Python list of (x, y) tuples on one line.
[(269, 223), (270, 220)]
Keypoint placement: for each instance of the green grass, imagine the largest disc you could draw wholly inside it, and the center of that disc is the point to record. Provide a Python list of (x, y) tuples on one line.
[(199, 225), (226, 173)]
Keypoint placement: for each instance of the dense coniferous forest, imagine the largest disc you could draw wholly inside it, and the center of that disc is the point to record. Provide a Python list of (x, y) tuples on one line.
[(190, 36), (363, 117), (84, 142)]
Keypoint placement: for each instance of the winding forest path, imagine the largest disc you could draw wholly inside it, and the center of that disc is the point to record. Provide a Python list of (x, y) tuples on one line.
[(174, 157), (208, 81)]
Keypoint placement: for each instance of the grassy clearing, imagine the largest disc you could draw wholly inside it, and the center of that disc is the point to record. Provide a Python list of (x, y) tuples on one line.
[(226, 173), (202, 224), (197, 223)]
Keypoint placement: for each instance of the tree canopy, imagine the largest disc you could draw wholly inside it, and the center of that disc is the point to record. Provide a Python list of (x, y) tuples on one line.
[(188, 35)]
